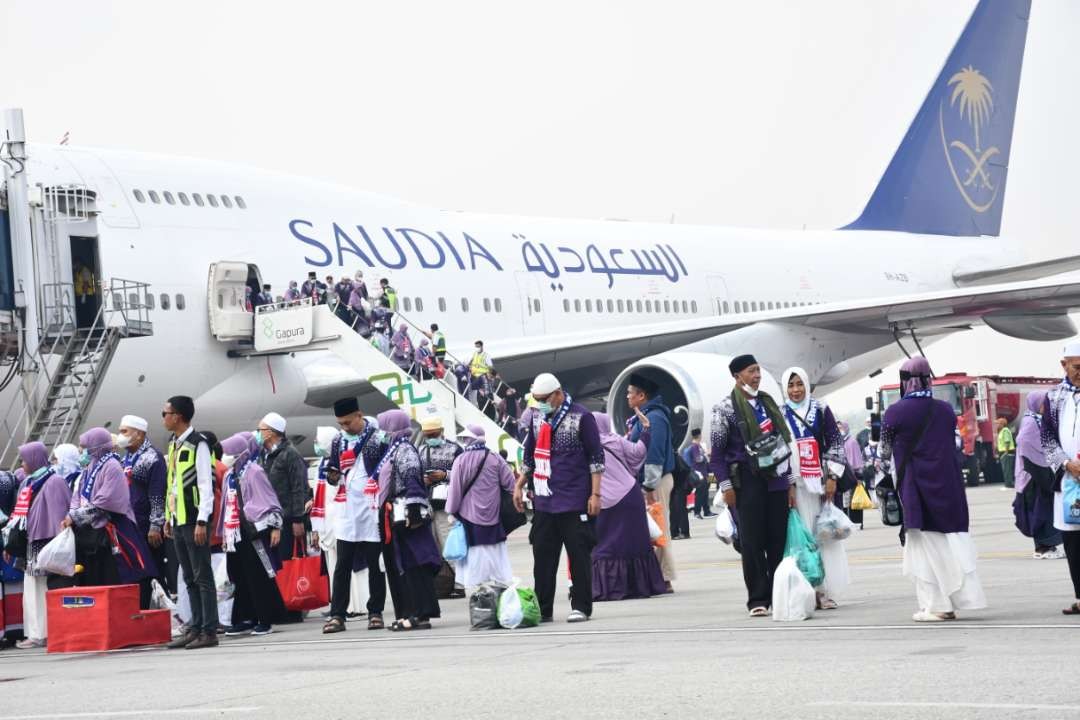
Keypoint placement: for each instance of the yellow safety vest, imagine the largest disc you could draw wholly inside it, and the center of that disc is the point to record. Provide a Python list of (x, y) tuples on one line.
[(478, 366), (182, 481), (84, 282)]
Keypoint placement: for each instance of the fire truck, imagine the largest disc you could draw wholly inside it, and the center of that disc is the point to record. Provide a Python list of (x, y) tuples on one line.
[(977, 400)]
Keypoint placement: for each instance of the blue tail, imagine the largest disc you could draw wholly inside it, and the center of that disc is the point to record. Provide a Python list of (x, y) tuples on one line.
[(948, 177)]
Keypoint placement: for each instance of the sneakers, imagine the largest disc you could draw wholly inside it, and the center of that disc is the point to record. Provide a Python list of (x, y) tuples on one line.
[(183, 641), (576, 616), (1055, 553), (262, 630), (243, 628), (203, 641), (29, 644)]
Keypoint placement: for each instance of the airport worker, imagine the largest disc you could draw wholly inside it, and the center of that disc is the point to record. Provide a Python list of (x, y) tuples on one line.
[(285, 467), (438, 341), (760, 488), (1006, 447), (189, 504), (389, 293), (477, 479), (1034, 504), (695, 456), (361, 524), (643, 394), (818, 466), (917, 434), (564, 464), (1061, 444), (624, 565), (65, 461), (437, 455), (146, 474), (109, 545), (41, 504), (250, 517)]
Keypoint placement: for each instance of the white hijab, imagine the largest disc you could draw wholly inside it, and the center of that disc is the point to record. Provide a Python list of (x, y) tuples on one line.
[(803, 406), (67, 459)]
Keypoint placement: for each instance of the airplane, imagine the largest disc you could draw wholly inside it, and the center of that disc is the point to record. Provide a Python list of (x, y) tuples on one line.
[(592, 301)]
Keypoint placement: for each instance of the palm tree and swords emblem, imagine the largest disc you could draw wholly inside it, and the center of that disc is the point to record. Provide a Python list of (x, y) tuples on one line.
[(972, 96)]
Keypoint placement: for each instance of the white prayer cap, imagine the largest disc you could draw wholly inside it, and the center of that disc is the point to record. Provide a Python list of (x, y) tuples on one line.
[(545, 384), (431, 422), (1072, 350), (274, 421), (324, 435), (134, 422)]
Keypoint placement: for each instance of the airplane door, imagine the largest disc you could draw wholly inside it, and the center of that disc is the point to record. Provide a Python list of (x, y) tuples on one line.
[(532, 319), (225, 297), (718, 294)]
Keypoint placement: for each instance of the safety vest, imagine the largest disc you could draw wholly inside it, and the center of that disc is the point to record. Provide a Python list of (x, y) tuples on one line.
[(182, 480), (440, 341), (391, 296), (478, 365), (1005, 441), (84, 282)]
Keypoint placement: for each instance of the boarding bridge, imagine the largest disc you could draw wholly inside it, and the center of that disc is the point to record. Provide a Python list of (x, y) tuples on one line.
[(297, 326)]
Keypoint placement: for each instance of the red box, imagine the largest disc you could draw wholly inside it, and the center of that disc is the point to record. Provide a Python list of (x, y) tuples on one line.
[(95, 618)]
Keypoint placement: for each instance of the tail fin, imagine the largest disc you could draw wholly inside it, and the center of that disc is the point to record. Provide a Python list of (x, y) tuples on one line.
[(948, 176)]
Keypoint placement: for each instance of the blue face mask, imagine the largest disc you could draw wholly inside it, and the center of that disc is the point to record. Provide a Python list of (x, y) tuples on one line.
[(349, 437), (433, 442), (544, 408), (258, 438), (84, 458), (320, 450)]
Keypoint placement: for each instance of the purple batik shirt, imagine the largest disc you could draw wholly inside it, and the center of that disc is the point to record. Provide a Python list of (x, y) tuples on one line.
[(576, 453), (729, 449)]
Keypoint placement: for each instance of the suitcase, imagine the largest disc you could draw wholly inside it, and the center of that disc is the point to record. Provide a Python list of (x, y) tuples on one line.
[(93, 619)]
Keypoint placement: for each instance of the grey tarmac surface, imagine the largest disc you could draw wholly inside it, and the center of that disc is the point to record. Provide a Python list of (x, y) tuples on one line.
[(690, 654)]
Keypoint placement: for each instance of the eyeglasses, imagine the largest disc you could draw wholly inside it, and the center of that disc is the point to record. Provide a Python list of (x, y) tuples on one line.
[(165, 413)]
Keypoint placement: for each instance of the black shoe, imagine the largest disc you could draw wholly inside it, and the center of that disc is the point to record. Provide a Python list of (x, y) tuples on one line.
[(183, 641), (546, 619), (203, 641), (697, 516), (711, 514), (243, 628)]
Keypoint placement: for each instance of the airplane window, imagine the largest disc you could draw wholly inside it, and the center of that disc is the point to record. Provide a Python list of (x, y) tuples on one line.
[(675, 306), (169, 198), (498, 305), (139, 196), (240, 202), (406, 303), (197, 198), (638, 305), (667, 306), (154, 197), (685, 308), (770, 305), (648, 306), (588, 305), (180, 302), (442, 304), (183, 198), (566, 305), (221, 301), (753, 305), (164, 301), (725, 306), (465, 304), (577, 306), (536, 305), (619, 305), (611, 306), (150, 301), (419, 305), (212, 200), (487, 305), (226, 201), (599, 305)]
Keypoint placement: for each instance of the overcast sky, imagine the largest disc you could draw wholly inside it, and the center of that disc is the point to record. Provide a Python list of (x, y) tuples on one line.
[(772, 113)]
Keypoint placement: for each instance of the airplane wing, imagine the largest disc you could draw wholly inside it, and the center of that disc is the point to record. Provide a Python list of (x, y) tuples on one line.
[(1015, 273)]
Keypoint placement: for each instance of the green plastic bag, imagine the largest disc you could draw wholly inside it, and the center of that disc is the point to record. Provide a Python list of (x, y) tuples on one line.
[(530, 607), (802, 546)]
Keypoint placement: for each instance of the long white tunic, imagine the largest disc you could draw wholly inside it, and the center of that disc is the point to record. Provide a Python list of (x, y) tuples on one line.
[(1067, 436), (357, 521)]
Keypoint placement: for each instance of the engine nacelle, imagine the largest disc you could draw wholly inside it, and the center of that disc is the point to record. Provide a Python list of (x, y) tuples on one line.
[(691, 383)]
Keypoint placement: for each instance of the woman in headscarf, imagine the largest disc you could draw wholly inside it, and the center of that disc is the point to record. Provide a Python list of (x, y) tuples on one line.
[(477, 479), (818, 465), (65, 461), (293, 293), (425, 361), (624, 564), (1034, 503), (918, 435), (108, 543), (402, 354), (39, 508), (855, 462), (403, 492), (250, 525)]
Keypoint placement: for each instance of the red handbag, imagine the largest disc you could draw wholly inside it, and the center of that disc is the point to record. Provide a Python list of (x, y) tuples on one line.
[(301, 581)]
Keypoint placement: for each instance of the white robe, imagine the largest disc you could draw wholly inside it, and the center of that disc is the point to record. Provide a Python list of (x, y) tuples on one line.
[(1069, 442), (943, 566)]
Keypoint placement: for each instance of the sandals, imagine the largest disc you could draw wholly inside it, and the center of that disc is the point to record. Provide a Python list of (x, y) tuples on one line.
[(334, 625), (827, 603), (1073, 609), (375, 623), (410, 624), (925, 616)]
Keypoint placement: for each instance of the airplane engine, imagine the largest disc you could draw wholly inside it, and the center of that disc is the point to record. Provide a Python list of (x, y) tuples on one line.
[(690, 383)]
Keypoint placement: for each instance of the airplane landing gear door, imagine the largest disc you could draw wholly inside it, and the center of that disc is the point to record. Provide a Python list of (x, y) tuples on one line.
[(532, 319), (230, 318)]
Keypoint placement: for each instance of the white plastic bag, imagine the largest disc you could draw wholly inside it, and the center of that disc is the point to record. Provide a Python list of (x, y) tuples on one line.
[(510, 612), (160, 600), (832, 524), (793, 598), (58, 555), (725, 526), (655, 533), (224, 588)]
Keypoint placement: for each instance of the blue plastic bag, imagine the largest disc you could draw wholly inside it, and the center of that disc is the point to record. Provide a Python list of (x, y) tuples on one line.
[(801, 546), (1070, 501), (456, 547)]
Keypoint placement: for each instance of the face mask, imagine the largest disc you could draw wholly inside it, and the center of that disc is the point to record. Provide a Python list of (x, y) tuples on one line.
[(258, 437), (433, 442), (84, 458), (544, 408), (320, 450), (750, 391), (123, 441), (349, 437)]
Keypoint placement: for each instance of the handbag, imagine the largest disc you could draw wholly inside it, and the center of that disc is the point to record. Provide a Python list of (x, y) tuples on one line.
[(301, 581)]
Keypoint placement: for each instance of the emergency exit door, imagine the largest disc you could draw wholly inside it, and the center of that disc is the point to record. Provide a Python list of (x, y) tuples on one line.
[(532, 319)]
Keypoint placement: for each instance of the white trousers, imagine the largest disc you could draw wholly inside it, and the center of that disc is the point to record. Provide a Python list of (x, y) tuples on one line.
[(35, 619)]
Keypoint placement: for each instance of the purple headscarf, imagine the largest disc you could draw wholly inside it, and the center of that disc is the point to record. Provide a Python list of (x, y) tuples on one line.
[(618, 477), (49, 508), (35, 455), (97, 441), (395, 423), (1028, 445), (259, 497), (110, 491), (401, 342), (915, 375)]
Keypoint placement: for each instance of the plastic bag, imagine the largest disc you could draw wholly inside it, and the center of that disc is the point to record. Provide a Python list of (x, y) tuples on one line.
[(656, 513), (725, 526), (530, 607), (510, 612), (456, 548), (160, 600), (860, 499), (58, 555), (484, 606), (832, 524), (793, 597), (801, 546), (1070, 500), (654, 529)]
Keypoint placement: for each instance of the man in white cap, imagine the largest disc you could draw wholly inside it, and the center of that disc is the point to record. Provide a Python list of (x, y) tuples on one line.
[(563, 464), (288, 475), (437, 455), (146, 474), (1061, 444)]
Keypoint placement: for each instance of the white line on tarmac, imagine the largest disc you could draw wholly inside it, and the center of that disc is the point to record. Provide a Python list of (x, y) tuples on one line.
[(944, 705), (133, 713)]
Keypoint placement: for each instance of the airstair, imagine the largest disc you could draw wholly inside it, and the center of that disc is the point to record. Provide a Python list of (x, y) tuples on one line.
[(286, 327)]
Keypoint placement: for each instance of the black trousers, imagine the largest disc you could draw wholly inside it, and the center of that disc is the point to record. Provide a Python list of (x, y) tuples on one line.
[(678, 515), (762, 530), (549, 534), (257, 598), (701, 497), (377, 579), (198, 577), (418, 584), (93, 550), (1071, 542)]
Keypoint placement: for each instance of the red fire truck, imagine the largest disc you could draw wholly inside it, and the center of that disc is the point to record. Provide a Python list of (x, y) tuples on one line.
[(978, 400)]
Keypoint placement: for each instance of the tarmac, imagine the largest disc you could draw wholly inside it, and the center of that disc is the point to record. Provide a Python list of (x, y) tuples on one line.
[(691, 654)]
